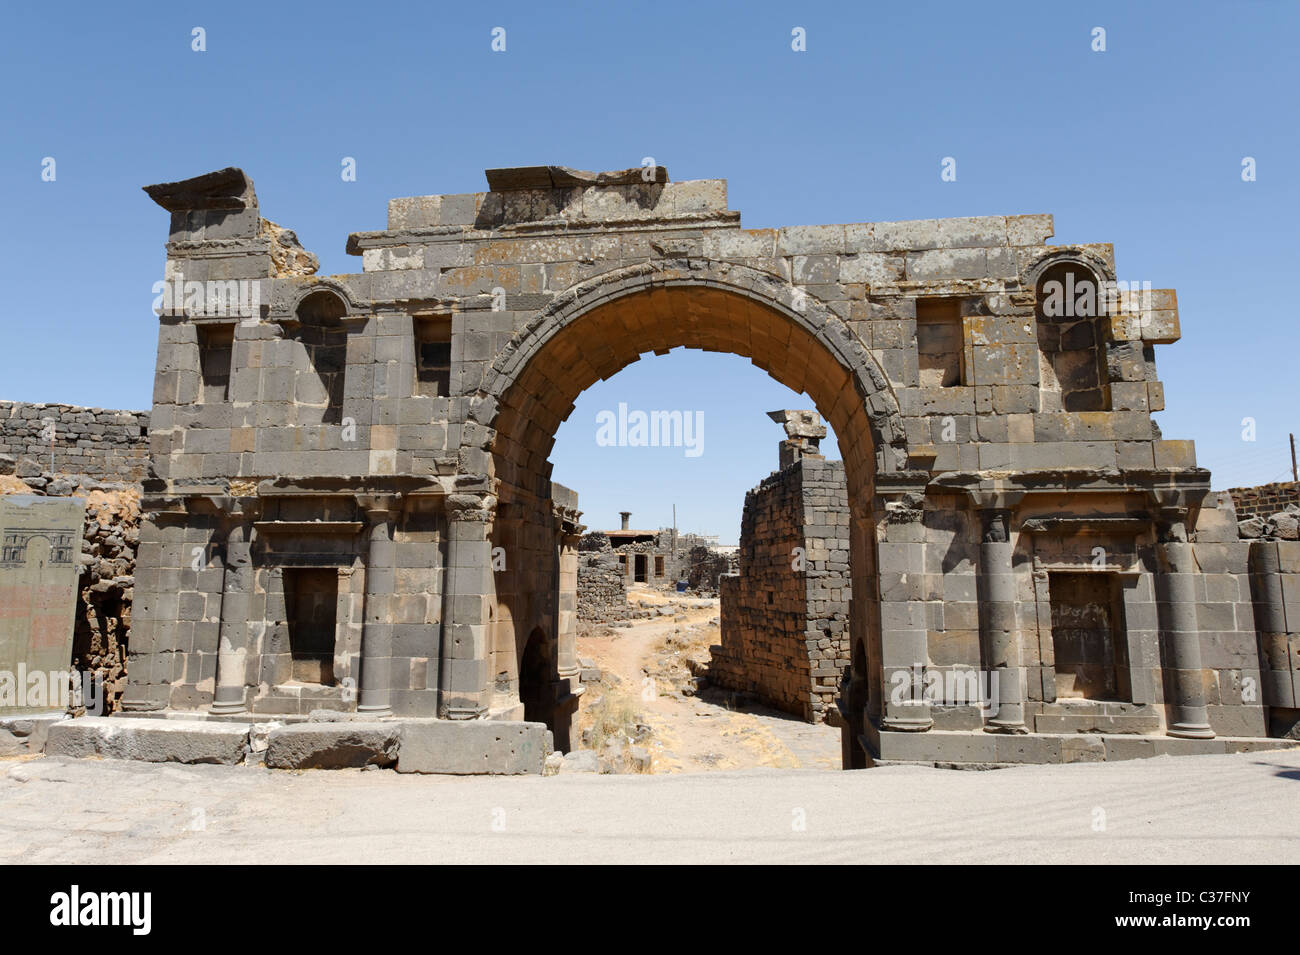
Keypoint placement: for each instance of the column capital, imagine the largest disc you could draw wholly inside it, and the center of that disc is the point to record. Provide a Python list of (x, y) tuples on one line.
[(995, 525), (379, 507), (231, 509), (567, 518), (995, 498), (1171, 525), (479, 507), (902, 506)]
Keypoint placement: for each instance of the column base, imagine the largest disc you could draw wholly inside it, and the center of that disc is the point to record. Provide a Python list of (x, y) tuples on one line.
[(228, 709), (1191, 731), (1007, 727), (906, 726), (375, 712), (464, 713), (142, 706)]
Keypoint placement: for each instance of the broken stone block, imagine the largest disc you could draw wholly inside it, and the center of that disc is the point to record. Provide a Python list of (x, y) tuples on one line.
[(639, 759), (343, 745), (1251, 528), (151, 741), (472, 747), (580, 761), (259, 736)]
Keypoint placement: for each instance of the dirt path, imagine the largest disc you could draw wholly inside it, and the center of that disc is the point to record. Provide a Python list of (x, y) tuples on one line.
[(646, 673)]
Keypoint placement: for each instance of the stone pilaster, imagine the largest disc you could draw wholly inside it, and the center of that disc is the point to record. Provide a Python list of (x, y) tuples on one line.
[(1176, 603), (236, 591), (904, 639), (377, 628), (1276, 637), (467, 594), (998, 630), (568, 534)]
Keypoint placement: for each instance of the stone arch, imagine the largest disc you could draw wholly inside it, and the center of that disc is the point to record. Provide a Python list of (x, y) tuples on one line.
[(1089, 260), (795, 338), (287, 308), (40, 550), (600, 326)]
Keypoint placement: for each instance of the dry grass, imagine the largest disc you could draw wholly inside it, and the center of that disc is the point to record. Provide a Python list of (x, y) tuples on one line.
[(613, 716)]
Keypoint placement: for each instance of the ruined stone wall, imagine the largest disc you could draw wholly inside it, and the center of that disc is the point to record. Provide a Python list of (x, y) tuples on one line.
[(704, 567), (1264, 500), (785, 634), (764, 609), (696, 562), (826, 574), (602, 588), (110, 539), (108, 445)]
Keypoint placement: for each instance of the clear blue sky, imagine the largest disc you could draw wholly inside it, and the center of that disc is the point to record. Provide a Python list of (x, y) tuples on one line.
[(1140, 146)]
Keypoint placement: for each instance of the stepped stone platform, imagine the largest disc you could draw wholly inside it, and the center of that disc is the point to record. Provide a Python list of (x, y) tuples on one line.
[(478, 747), (980, 750)]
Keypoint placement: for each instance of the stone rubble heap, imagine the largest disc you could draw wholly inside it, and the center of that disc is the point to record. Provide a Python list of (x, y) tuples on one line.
[(1283, 526)]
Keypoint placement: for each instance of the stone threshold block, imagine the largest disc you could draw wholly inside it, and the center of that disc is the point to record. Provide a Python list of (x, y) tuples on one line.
[(980, 750), (344, 744), (152, 741), (473, 747)]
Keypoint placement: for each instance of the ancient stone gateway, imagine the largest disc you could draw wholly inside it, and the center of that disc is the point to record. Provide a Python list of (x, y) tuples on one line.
[(352, 506)]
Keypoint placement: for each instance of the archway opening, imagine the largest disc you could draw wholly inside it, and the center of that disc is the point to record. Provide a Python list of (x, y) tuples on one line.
[(806, 349)]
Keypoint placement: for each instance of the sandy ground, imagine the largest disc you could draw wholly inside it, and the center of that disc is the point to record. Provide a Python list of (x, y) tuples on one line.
[(698, 734), (1191, 809)]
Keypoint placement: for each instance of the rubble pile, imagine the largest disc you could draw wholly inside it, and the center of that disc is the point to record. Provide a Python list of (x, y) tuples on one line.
[(1283, 526)]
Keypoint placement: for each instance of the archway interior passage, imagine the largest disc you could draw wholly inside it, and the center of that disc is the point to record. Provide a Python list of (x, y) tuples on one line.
[(609, 337)]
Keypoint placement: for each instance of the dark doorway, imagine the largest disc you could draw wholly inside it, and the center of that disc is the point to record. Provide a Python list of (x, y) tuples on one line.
[(640, 568), (311, 597), (535, 678), (1089, 637)]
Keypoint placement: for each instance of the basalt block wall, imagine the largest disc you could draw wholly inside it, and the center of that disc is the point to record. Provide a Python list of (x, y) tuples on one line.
[(1264, 500), (108, 445), (785, 615)]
